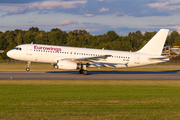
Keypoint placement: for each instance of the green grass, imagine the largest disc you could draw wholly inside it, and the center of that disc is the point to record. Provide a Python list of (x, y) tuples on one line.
[(90, 99)]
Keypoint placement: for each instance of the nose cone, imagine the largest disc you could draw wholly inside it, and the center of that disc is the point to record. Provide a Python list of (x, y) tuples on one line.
[(9, 54)]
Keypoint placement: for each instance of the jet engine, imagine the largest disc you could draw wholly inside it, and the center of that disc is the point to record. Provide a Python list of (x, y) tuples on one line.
[(67, 65)]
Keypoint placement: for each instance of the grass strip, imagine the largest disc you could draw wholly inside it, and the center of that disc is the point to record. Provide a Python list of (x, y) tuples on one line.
[(90, 99)]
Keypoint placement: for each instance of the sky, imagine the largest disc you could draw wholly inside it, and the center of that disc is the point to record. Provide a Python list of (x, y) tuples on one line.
[(95, 16)]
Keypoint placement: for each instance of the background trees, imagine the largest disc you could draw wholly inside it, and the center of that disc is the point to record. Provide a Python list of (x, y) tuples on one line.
[(171, 38), (80, 38)]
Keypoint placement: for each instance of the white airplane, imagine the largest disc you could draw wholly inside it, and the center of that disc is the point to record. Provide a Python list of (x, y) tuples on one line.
[(70, 58)]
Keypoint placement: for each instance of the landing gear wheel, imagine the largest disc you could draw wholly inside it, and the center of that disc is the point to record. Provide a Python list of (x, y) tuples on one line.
[(27, 69), (81, 71), (85, 72)]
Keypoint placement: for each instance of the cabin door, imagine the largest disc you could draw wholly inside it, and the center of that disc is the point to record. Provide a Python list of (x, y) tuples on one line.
[(29, 50)]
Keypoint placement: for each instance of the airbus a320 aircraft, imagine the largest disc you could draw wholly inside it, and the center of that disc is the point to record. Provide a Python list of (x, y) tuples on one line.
[(70, 58)]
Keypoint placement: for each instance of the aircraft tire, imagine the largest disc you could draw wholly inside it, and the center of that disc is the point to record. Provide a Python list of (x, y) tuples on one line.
[(85, 72), (27, 69), (81, 71)]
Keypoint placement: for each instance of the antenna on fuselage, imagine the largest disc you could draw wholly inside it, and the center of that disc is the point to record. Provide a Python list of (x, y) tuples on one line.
[(102, 48), (32, 43)]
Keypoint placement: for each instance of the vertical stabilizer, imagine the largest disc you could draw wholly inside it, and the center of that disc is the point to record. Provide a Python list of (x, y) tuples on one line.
[(156, 44)]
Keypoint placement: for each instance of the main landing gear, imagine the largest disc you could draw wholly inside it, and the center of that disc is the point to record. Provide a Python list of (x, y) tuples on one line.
[(83, 70), (28, 69)]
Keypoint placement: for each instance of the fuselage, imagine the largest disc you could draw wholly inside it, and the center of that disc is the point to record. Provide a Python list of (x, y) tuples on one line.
[(51, 53)]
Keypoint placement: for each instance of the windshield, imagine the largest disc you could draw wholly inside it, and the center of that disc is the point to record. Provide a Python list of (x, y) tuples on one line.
[(17, 48)]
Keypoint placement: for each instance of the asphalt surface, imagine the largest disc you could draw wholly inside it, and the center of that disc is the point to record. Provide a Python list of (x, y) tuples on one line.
[(93, 75)]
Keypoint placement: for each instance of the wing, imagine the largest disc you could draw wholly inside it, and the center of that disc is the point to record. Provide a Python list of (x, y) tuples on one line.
[(94, 61), (90, 59)]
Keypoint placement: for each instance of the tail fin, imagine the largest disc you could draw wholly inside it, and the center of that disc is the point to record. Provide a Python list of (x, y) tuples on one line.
[(156, 44)]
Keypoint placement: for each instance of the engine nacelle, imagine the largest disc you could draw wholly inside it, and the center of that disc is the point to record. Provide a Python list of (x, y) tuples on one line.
[(65, 64)]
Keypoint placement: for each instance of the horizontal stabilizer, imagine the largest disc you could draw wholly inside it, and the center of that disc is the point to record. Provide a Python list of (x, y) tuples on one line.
[(162, 59)]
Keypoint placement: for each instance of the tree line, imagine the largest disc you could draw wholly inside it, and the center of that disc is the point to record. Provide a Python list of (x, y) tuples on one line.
[(80, 38)]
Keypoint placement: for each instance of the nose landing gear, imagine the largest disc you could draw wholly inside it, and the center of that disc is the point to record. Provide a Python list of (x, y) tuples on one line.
[(28, 69)]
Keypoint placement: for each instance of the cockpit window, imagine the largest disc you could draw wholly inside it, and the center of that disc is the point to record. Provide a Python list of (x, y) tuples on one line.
[(17, 48)]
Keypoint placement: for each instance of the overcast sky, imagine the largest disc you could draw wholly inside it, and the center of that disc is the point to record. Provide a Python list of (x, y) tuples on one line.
[(95, 16)]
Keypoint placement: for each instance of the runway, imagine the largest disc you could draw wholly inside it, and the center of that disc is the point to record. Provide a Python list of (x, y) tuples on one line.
[(93, 75)]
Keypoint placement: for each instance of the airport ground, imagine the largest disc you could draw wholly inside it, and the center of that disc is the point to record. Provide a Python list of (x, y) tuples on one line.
[(91, 99), (47, 72), (48, 67)]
